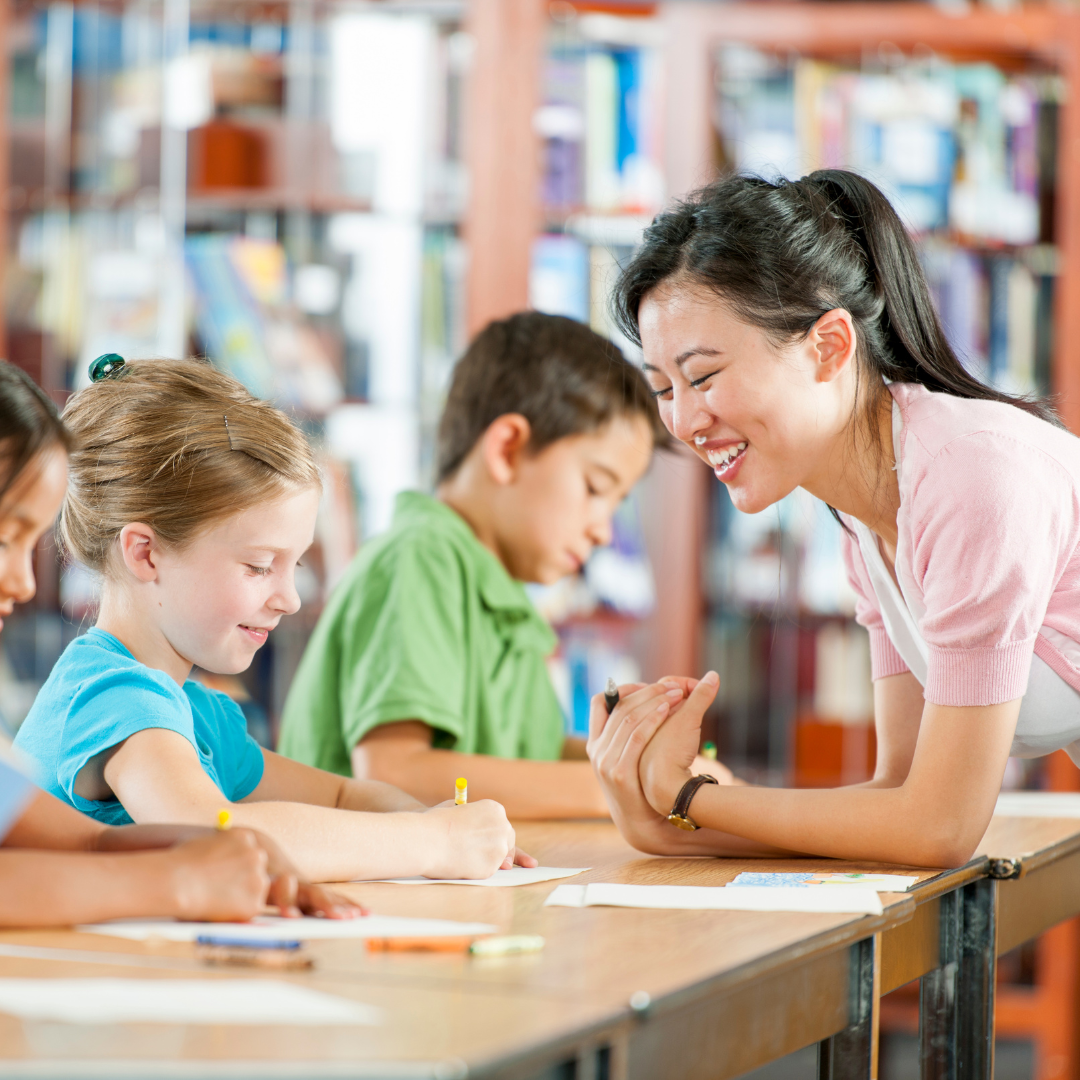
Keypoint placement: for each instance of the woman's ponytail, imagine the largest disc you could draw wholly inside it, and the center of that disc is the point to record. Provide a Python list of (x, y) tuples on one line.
[(782, 254)]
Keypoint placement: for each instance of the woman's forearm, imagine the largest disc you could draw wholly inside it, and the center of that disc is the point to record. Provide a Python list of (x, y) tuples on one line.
[(857, 823), (48, 888), (530, 790), (935, 814)]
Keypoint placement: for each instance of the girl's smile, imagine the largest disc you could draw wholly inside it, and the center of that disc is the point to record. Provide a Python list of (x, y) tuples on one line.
[(212, 602)]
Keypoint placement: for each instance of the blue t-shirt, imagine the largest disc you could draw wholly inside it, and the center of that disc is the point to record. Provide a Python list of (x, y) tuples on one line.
[(98, 694)]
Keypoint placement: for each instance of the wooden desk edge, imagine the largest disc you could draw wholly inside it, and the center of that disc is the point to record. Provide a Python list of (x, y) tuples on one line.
[(1028, 861)]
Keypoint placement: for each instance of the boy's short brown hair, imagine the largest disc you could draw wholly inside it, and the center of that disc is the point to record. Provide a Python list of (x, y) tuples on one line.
[(557, 373)]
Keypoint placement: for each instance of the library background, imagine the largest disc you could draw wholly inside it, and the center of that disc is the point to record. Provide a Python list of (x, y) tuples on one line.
[(327, 198)]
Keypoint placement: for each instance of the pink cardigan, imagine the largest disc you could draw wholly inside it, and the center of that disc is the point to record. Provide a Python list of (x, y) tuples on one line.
[(989, 526)]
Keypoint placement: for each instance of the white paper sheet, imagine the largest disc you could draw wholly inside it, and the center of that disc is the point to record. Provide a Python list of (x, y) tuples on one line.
[(178, 1001), (269, 928), (518, 875), (1059, 804), (844, 899)]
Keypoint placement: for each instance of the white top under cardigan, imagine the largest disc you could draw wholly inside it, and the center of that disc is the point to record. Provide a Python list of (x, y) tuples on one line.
[(1050, 709)]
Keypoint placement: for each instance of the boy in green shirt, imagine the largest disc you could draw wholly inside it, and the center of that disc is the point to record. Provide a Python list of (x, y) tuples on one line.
[(429, 661)]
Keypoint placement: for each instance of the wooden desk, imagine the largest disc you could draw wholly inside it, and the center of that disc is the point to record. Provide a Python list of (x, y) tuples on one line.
[(714, 994), (1032, 882)]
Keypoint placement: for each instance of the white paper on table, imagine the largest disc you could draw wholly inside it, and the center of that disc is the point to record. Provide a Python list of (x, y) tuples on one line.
[(1059, 804), (518, 875), (269, 928), (178, 1001), (842, 899)]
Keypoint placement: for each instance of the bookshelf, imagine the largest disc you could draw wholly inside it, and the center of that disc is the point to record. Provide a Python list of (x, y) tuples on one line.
[(218, 177)]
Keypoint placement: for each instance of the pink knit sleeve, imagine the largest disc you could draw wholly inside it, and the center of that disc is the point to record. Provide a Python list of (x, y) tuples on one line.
[(993, 521), (884, 659)]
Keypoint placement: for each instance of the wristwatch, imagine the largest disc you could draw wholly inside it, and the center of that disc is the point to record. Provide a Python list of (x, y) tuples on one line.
[(679, 815)]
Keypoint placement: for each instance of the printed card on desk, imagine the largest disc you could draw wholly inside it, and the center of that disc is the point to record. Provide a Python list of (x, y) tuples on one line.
[(880, 882), (841, 899), (179, 1001), (269, 928), (517, 875)]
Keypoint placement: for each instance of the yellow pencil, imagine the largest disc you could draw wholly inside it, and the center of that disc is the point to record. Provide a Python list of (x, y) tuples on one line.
[(224, 820), (461, 792)]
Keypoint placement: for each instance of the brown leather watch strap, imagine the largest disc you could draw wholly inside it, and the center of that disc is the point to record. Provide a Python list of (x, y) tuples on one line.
[(680, 812)]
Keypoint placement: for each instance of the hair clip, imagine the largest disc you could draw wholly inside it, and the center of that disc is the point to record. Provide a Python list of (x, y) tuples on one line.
[(105, 366), (228, 433)]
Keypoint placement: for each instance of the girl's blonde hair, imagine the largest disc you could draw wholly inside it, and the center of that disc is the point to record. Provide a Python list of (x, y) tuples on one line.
[(177, 445)]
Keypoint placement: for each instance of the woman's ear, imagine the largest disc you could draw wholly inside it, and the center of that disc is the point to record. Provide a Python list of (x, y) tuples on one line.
[(139, 550), (833, 340), (503, 444)]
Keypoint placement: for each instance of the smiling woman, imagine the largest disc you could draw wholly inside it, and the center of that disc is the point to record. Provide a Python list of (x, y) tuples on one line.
[(194, 502), (790, 340)]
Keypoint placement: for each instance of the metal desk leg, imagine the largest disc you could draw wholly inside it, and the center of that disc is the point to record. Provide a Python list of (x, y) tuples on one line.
[(956, 1001), (852, 1053)]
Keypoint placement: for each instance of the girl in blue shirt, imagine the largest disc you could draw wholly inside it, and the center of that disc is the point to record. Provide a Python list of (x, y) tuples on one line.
[(194, 502), (56, 866)]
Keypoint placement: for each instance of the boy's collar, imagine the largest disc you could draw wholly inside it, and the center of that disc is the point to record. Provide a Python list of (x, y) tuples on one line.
[(500, 591)]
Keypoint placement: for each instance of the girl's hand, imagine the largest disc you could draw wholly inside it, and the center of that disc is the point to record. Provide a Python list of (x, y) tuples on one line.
[(667, 761), (471, 841), (518, 858), (615, 746)]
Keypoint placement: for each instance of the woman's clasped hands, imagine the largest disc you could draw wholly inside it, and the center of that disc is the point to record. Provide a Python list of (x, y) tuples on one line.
[(647, 749)]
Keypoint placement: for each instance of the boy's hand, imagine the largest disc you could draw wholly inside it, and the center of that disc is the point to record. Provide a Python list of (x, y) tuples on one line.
[(712, 767), (473, 842), (671, 752)]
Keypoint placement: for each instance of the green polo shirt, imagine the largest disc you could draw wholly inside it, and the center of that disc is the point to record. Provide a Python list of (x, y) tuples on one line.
[(426, 625)]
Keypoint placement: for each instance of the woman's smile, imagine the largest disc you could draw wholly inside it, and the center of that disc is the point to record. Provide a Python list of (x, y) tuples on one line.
[(723, 455)]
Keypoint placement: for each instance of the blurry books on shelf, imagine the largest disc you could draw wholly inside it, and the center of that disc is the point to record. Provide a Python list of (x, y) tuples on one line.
[(246, 325), (296, 223), (602, 178), (965, 151)]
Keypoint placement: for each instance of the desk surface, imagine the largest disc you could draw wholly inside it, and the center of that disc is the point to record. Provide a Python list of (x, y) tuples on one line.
[(445, 1010)]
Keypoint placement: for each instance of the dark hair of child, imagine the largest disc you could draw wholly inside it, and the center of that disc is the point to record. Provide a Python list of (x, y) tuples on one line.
[(780, 255), (29, 424), (564, 378)]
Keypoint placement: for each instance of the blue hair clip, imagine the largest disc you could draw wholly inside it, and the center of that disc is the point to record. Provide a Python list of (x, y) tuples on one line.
[(105, 366)]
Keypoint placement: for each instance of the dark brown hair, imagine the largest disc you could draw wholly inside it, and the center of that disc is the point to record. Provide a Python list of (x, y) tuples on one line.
[(178, 445), (780, 255), (29, 424), (564, 378)]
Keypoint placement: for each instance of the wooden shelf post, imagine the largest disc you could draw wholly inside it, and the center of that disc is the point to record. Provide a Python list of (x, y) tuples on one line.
[(502, 154)]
